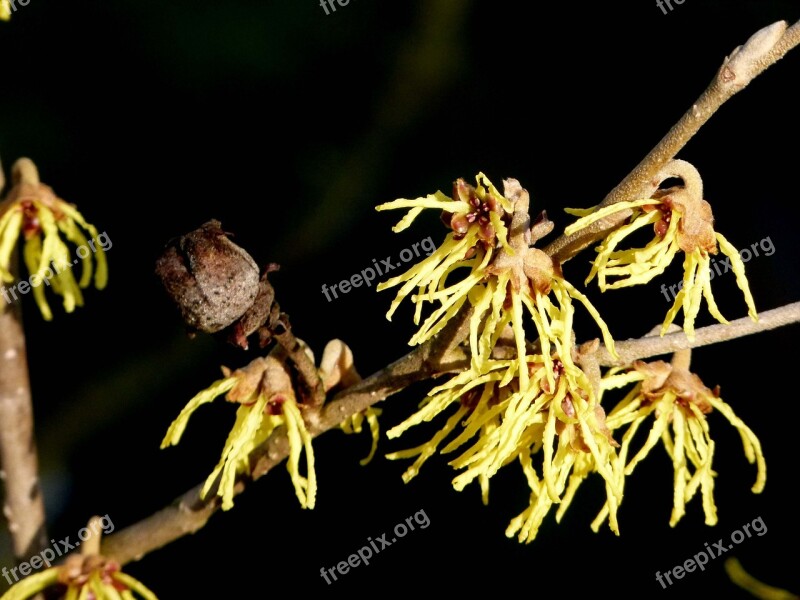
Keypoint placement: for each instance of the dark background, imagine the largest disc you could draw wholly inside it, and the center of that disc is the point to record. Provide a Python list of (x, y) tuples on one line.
[(289, 126)]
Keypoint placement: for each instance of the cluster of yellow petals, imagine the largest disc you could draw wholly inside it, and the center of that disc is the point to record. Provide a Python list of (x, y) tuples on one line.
[(32, 210), (682, 222), (678, 403), (532, 403), (525, 403), (265, 395), (82, 577), (501, 275), (494, 420)]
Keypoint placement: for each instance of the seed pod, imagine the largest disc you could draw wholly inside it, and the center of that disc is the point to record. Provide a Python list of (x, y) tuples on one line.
[(212, 281)]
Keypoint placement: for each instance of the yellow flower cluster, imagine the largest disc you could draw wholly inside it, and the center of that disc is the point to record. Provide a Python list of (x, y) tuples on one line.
[(491, 241), (82, 577), (32, 210), (478, 217), (536, 399), (265, 393), (517, 400), (678, 402), (266, 398), (682, 222), (503, 422)]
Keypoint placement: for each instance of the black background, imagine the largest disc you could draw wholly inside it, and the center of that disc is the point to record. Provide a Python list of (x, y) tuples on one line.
[(289, 126)]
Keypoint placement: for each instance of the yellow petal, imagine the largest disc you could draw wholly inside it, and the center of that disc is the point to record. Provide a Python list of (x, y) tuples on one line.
[(32, 585), (299, 440), (176, 429), (604, 212), (237, 447), (738, 270), (10, 224), (751, 443), (134, 584), (749, 583)]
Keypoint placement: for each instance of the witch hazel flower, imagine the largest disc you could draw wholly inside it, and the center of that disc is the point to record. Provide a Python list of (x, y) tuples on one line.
[(478, 216), (494, 421), (677, 404), (682, 221), (268, 397), (46, 223), (524, 277), (84, 576), (266, 400), (504, 278)]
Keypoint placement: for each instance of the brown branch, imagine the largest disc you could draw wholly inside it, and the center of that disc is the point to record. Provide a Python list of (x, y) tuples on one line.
[(185, 515), (654, 345), (304, 365), (587, 359), (19, 469), (764, 48)]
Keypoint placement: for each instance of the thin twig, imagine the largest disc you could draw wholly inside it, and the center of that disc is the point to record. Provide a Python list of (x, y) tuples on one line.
[(654, 345), (187, 514), (587, 359), (304, 365), (762, 50), (682, 359)]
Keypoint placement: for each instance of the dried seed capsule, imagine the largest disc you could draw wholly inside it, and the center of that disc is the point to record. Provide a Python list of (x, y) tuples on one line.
[(211, 280)]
